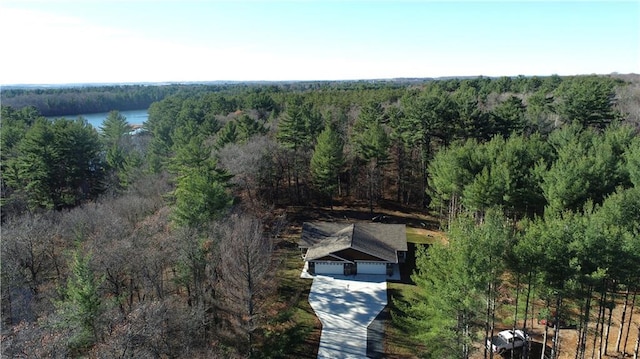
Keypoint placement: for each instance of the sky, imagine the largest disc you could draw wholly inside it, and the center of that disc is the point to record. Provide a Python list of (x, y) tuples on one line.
[(115, 41)]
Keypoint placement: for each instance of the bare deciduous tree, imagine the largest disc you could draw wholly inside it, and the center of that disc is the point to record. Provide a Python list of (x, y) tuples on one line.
[(245, 275), (249, 163), (29, 259)]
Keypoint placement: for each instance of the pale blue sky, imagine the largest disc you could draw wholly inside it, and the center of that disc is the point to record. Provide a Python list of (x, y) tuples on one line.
[(129, 41)]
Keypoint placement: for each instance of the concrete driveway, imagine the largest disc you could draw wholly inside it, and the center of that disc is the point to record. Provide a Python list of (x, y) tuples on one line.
[(346, 306)]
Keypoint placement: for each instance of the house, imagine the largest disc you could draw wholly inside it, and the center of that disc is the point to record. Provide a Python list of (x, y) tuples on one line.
[(356, 248)]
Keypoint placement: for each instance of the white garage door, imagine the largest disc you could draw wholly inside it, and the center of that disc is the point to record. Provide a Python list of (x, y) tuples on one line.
[(372, 268), (329, 268)]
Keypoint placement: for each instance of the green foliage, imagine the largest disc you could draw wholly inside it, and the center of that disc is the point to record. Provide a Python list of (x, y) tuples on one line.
[(539, 112), (588, 165), (248, 127), (227, 134), (452, 280), (299, 126), (431, 114), (556, 233), (371, 145), (370, 140), (81, 304), (201, 188), (451, 170), (56, 164), (113, 128), (200, 198), (632, 156), (239, 130), (470, 119), (615, 228), (116, 141), (587, 100), (496, 173), (327, 161), (509, 117)]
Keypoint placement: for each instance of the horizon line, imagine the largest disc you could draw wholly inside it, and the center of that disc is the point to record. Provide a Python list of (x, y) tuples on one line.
[(168, 82)]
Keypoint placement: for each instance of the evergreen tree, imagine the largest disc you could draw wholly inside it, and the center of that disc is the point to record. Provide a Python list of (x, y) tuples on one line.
[(297, 132), (58, 163), (457, 283), (431, 116), (227, 134), (587, 100), (115, 135), (632, 157), (509, 117), (201, 188), (371, 145), (452, 169), (81, 304), (113, 128), (327, 161), (248, 127), (299, 126)]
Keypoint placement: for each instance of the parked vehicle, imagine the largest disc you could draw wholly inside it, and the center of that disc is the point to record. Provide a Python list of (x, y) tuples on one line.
[(507, 340)]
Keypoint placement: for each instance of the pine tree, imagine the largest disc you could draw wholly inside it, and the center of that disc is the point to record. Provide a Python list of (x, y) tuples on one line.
[(201, 188), (297, 132), (113, 128), (326, 162), (371, 145), (587, 100), (81, 304)]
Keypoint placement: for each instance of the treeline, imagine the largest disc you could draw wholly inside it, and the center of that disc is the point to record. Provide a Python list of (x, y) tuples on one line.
[(125, 244), (64, 101), (387, 136), (95, 99)]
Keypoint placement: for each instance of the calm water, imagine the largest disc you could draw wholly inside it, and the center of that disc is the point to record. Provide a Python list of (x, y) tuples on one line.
[(136, 117)]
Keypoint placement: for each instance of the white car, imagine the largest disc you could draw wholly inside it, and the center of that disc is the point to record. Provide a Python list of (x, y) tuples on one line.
[(507, 340)]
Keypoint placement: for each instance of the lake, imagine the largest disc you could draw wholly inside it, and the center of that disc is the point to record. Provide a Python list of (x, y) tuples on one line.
[(135, 117)]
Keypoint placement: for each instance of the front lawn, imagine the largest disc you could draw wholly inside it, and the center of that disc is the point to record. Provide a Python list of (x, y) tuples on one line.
[(399, 341), (424, 236), (295, 329)]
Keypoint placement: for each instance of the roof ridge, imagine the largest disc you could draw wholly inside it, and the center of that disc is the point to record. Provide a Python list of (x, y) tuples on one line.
[(353, 230)]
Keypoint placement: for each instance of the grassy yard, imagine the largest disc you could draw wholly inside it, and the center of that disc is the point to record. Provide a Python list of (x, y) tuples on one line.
[(296, 329), (424, 236), (398, 340)]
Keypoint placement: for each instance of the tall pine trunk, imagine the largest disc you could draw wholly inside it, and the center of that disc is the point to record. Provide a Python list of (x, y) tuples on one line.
[(598, 331), (526, 313), (609, 319), (584, 327), (624, 314), (544, 339), (635, 350), (486, 323), (633, 304), (515, 316), (556, 332)]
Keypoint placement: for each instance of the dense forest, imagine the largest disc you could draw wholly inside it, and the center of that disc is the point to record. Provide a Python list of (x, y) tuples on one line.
[(165, 243)]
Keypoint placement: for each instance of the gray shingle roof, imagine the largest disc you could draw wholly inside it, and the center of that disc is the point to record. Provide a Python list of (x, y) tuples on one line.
[(377, 239)]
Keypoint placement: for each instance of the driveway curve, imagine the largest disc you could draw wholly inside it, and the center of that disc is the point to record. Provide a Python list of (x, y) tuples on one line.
[(346, 305)]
